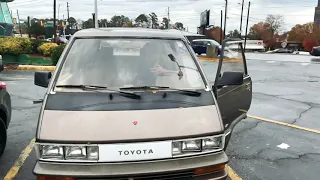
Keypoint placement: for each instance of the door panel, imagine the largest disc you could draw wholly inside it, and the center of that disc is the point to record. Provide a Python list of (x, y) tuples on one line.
[(233, 100)]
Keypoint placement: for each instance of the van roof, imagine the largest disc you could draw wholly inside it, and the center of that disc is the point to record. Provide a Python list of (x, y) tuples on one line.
[(130, 32)]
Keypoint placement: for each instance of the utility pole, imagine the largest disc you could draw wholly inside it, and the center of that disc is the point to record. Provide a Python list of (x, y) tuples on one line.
[(96, 25), (168, 17), (225, 19), (94, 18), (59, 11), (54, 20), (241, 17), (245, 38), (221, 19), (68, 13), (29, 27), (19, 23)]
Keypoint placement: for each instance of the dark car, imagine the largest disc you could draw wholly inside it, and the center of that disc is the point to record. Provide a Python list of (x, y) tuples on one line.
[(315, 51), (5, 115), (200, 45), (281, 50)]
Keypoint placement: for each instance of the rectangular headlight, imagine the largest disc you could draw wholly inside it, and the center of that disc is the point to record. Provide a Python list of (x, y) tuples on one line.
[(176, 148), (51, 152), (191, 145), (93, 152), (212, 143), (75, 152)]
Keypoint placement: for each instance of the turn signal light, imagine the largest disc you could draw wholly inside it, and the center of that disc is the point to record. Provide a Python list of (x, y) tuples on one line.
[(208, 170), (54, 178)]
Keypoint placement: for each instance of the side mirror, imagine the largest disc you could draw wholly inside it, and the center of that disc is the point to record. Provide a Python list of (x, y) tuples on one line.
[(231, 79), (42, 78)]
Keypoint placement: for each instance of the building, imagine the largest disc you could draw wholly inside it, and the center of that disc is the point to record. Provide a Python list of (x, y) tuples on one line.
[(317, 14), (6, 20)]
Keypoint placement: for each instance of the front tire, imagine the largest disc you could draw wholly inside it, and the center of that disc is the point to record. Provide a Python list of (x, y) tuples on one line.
[(3, 136)]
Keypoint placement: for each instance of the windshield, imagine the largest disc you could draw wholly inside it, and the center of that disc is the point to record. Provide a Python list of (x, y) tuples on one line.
[(118, 63)]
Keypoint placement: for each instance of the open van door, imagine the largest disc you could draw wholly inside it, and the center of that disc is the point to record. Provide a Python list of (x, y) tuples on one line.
[(233, 84)]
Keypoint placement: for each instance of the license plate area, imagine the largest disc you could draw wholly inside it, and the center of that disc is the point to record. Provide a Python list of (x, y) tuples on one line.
[(135, 151)]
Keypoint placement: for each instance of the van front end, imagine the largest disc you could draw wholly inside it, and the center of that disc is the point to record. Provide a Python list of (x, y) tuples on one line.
[(200, 158)]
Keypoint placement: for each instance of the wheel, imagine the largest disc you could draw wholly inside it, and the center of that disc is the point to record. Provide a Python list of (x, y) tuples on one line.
[(3, 136)]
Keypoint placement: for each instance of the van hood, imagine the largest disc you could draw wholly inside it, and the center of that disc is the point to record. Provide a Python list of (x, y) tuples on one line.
[(133, 125)]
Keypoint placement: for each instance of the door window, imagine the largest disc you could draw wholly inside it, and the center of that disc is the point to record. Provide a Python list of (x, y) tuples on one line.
[(233, 60)]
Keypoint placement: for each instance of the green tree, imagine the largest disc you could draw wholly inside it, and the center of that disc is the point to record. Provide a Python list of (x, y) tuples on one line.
[(88, 24), (179, 26), (142, 19), (118, 21), (72, 21), (36, 29), (103, 23), (165, 21), (154, 20), (234, 34)]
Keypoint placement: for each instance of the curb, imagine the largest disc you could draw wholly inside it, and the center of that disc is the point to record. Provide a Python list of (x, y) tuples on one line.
[(35, 68)]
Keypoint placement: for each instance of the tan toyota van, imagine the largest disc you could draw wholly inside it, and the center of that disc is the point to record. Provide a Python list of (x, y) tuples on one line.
[(133, 103)]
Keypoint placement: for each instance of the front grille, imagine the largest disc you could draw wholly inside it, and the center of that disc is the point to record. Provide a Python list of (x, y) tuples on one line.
[(167, 176)]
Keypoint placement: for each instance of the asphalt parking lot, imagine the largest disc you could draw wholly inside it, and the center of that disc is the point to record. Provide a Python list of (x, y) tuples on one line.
[(285, 92)]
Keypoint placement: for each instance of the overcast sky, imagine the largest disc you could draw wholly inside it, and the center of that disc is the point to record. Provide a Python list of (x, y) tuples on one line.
[(185, 11)]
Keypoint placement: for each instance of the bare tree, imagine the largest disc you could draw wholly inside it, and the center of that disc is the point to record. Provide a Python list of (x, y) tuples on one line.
[(276, 23)]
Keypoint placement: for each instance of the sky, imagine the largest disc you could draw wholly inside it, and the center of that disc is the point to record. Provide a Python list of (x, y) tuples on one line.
[(185, 11)]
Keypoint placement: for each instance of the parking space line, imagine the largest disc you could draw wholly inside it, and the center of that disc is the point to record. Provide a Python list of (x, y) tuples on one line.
[(13, 172), (232, 174), (284, 124)]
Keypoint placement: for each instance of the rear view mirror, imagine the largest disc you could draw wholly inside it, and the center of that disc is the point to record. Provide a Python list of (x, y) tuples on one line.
[(42, 78), (231, 78)]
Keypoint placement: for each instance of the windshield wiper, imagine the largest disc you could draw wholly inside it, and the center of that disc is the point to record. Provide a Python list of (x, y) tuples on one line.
[(93, 87), (182, 91)]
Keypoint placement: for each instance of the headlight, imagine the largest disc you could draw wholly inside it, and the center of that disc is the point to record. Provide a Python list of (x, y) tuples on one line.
[(212, 143), (198, 145), (176, 148), (59, 152), (51, 152), (93, 152), (76, 152), (191, 145)]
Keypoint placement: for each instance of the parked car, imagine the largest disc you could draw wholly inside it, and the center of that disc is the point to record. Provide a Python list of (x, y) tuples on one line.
[(200, 45), (141, 108), (281, 50), (5, 115), (315, 51)]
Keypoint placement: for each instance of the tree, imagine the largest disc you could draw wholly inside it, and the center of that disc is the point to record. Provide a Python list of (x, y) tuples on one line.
[(142, 19), (179, 26), (299, 32), (275, 22), (165, 21), (154, 20), (72, 21), (36, 29), (118, 21), (88, 24), (103, 23), (309, 42), (234, 34), (128, 24), (214, 33)]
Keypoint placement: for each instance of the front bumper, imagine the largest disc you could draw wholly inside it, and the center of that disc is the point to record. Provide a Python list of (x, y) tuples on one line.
[(180, 168)]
